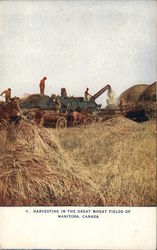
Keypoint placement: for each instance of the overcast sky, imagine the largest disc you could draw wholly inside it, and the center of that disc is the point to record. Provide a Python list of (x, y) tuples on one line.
[(77, 44)]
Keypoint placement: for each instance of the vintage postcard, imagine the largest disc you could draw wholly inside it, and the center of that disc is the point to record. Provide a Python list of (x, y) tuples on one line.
[(78, 124)]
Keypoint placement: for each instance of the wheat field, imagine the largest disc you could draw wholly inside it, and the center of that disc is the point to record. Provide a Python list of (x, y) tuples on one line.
[(110, 163), (120, 156)]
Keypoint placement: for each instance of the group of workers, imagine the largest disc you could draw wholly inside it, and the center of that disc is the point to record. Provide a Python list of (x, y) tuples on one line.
[(7, 92), (87, 96)]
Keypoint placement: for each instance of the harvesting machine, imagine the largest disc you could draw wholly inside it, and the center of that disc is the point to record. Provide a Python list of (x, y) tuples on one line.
[(67, 103)]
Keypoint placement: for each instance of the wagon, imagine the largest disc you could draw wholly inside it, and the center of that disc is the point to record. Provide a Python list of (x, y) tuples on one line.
[(54, 119), (47, 118)]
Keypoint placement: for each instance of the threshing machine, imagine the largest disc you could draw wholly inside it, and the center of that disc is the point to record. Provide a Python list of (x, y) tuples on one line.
[(67, 104)]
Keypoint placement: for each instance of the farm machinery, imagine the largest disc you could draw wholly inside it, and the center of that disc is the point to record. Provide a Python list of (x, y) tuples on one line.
[(56, 110), (67, 104)]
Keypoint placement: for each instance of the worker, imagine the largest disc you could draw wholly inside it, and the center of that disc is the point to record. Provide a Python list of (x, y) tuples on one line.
[(87, 95), (42, 85), (63, 92), (7, 94)]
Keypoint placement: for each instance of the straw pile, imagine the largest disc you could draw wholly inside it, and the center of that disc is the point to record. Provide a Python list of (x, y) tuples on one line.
[(139, 98), (147, 101), (149, 94), (133, 94), (35, 171)]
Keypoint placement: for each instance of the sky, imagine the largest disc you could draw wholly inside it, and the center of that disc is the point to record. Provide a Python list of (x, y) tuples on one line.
[(77, 44)]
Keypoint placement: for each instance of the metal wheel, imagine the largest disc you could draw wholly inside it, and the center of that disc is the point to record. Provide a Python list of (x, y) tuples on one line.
[(88, 121), (61, 122)]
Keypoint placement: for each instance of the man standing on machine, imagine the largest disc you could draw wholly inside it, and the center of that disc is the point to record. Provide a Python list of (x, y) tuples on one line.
[(42, 85)]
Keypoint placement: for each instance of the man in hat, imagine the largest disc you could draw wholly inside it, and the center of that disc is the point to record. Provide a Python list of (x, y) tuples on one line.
[(42, 85), (7, 93), (87, 95)]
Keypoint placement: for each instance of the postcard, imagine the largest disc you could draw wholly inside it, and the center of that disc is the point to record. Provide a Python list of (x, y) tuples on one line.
[(78, 124)]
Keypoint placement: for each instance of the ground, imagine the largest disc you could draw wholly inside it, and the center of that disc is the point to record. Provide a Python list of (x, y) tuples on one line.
[(120, 157), (110, 163)]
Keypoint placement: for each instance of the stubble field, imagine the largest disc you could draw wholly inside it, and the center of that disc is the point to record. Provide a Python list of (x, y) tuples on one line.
[(111, 163), (120, 157)]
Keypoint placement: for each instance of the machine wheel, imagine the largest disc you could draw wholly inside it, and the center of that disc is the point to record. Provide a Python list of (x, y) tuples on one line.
[(88, 121), (61, 122)]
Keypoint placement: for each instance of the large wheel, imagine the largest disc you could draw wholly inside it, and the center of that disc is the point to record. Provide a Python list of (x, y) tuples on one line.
[(61, 122), (88, 121)]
